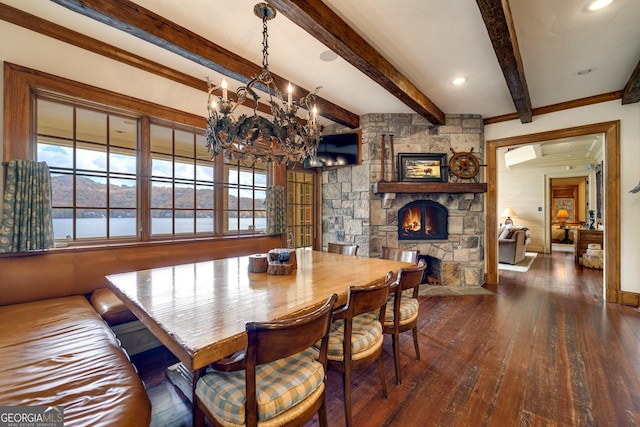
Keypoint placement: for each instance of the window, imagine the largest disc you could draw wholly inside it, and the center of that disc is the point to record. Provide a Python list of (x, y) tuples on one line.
[(121, 175), (182, 189), (92, 159), (245, 190), (300, 208)]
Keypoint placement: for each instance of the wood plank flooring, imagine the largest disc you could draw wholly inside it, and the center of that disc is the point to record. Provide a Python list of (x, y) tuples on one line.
[(545, 350)]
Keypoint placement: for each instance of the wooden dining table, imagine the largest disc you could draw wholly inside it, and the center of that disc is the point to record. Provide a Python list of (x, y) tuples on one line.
[(199, 310)]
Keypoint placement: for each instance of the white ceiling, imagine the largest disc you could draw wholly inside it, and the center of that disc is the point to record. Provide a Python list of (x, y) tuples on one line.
[(429, 41)]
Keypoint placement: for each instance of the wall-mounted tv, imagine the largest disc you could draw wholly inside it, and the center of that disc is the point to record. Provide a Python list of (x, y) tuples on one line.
[(341, 149)]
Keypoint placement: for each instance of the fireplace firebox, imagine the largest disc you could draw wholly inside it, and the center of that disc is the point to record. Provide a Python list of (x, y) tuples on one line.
[(423, 220)]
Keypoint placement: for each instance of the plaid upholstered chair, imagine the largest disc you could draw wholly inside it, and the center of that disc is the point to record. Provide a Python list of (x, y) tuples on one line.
[(402, 310), (355, 339), (343, 248), (277, 380)]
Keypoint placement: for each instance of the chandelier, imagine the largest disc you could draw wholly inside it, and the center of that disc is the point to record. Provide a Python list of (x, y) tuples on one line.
[(286, 138)]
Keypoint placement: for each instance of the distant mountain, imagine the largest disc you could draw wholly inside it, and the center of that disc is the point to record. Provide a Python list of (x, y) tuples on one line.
[(92, 197)]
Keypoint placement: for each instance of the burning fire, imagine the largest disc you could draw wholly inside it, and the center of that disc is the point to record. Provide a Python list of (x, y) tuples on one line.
[(411, 220)]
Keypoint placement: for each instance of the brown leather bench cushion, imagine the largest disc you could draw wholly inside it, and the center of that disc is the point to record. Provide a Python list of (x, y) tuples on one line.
[(110, 307), (60, 352)]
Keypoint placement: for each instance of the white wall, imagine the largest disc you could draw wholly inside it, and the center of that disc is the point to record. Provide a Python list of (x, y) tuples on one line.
[(629, 116)]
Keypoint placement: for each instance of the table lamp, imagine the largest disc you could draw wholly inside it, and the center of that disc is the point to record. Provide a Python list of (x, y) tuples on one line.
[(562, 215), (508, 212)]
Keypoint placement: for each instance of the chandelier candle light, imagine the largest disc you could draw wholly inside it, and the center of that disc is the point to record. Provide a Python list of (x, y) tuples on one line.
[(286, 138)]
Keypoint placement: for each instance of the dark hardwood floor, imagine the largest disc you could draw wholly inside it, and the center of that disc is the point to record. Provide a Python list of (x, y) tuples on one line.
[(545, 350)]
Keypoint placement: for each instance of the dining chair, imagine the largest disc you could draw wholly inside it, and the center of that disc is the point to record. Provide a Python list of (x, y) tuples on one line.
[(402, 310), (278, 379), (343, 248), (355, 338), (398, 254)]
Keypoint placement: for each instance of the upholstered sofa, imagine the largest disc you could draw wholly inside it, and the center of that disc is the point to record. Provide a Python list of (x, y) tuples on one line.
[(512, 245), (57, 351)]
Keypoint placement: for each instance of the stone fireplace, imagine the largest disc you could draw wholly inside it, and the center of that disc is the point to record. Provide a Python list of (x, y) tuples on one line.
[(423, 220), (456, 257), (354, 211)]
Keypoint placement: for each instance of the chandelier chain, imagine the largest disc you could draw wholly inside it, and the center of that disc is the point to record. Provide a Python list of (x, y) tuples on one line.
[(265, 45)]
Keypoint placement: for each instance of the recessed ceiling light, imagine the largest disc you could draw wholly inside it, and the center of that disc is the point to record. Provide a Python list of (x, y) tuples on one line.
[(599, 4), (458, 81), (328, 56)]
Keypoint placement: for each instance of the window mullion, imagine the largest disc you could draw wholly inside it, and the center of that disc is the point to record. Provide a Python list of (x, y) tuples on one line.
[(144, 179)]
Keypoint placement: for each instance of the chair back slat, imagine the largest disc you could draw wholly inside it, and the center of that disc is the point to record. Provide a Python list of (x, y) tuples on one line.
[(411, 277), (363, 299), (344, 249), (397, 254), (279, 339)]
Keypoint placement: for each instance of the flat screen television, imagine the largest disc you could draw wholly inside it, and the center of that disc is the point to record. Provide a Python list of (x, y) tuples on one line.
[(341, 149)]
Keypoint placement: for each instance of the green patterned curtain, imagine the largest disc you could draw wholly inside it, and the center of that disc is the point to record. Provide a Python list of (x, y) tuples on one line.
[(27, 222), (276, 210)]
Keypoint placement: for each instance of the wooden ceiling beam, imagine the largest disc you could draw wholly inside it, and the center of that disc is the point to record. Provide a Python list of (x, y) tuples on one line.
[(326, 26), (631, 92), (146, 25), (496, 15)]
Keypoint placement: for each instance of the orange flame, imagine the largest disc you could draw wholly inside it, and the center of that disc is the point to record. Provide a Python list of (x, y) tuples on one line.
[(411, 220)]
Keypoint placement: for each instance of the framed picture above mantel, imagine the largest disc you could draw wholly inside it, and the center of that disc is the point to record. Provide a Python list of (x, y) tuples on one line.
[(421, 167)]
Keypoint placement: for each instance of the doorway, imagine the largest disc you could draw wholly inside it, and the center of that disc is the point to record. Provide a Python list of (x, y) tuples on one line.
[(567, 210), (611, 187)]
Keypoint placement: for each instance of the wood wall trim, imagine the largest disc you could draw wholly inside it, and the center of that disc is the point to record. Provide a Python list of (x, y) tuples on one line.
[(567, 105), (59, 273), (611, 198), (630, 298)]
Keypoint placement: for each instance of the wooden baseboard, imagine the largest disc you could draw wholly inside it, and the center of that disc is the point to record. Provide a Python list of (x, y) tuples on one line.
[(629, 298)]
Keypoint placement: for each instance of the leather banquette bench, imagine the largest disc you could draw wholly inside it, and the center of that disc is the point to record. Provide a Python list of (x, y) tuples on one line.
[(59, 351), (56, 344)]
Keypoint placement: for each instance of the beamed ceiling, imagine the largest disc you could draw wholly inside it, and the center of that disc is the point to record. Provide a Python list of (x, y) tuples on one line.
[(520, 57)]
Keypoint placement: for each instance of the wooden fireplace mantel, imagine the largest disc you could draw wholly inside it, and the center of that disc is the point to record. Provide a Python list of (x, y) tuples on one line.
[(429, 187)]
